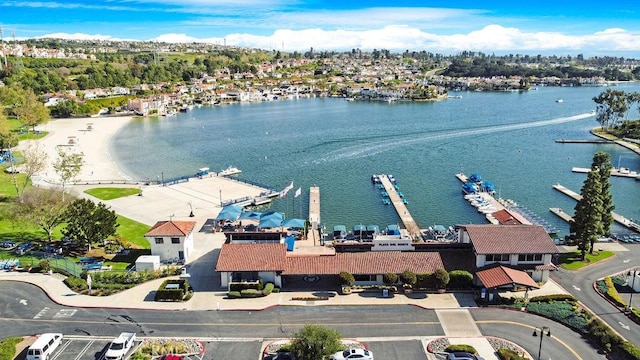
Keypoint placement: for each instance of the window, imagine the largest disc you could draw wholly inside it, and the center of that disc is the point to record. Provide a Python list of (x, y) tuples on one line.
[(497, 257), (175, 240), (159, 241), (530, 257), (365, 277)]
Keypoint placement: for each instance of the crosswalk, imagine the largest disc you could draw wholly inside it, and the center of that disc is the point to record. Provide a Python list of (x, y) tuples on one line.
[(61, 314)]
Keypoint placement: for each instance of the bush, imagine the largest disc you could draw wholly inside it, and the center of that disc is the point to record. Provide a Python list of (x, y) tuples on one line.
[(268, 289), (276, 289), (508, 354), (425, 281), (461, 348), (76, 284), (390, 278), (460, 279), (234, 295), (239, 286), (346, 278), (567, 313), (45, 265), (164, 294), (612, 293), (442, 278), (408, 277)]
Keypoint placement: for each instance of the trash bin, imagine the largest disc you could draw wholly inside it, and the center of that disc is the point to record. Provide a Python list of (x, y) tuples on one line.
[(385, 292)]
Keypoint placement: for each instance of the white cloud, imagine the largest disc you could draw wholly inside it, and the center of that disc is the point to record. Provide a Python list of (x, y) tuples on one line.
[(81, 36), (491, 38)]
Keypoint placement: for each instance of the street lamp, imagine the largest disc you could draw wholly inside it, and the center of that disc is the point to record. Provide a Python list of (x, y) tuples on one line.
[(543, 331), (633, 285)]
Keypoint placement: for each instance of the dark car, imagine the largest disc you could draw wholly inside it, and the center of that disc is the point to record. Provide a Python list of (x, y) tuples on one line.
[(7, 245)]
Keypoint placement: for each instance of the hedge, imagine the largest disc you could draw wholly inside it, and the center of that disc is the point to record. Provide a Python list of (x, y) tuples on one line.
[(234, 295), (8, 348), (461, 348), (553, 297), (612, 293), (460, 279), (239, 286), (425, 281), (251, 293), (164, 294)]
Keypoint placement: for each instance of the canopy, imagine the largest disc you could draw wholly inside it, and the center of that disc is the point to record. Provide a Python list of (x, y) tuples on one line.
[(250, 215), (294, 223), (272, 215), (475, 177), (269, 223), (229, 212)]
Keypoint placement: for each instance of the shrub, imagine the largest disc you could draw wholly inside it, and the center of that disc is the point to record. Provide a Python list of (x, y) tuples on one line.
[(461, 347), (612, 293), (564, 312), (390, 278), (508, 354), (164, 294), (239, 286), (408, 277), (425, 281), (460, 279), (276, 289), (45, 265), (76, 284), (346, 278), (234, 295), (442, 278), (268, 289)]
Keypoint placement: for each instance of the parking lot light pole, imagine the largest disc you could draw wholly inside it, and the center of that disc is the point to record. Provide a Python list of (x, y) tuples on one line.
[(543, 331)]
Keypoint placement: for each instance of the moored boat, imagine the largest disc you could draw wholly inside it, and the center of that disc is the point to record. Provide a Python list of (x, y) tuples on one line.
[(231, 170)]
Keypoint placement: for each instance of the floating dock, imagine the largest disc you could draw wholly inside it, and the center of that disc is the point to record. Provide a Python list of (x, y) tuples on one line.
[(407, 220), (622, 172), (561, 214), (314, 207), (616, 217)]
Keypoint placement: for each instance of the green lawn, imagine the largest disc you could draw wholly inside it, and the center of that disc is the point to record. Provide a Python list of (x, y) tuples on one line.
[(110, 193), (573, 260), (133, 231)]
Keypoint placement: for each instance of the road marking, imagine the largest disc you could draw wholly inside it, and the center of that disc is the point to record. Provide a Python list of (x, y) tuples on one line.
[(577, 288), (626, 261), (60, 350), (42, 312), (65, 313), (23, 301), (84, 350), (626, 327)]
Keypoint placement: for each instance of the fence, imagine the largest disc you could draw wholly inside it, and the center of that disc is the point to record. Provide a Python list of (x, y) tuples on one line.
[(55, 262)]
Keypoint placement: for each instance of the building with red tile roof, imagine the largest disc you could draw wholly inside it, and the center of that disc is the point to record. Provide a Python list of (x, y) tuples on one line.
[(171, 240)]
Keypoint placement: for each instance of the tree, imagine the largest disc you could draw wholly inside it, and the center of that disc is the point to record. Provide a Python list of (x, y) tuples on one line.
[(587, 221), (30, 111), (44, 208), (611, 106), (67, 166), (35, 161), (315, 342), (390, 278), (346, 278), (88, 223), (408, 278), (602, 164)]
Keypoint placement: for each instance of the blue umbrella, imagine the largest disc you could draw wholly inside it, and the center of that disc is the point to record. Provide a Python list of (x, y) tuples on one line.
[(269, 223), (229, 212), (293, 223)]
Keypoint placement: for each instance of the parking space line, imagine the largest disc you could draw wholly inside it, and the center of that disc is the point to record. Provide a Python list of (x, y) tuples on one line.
[(84, 350)]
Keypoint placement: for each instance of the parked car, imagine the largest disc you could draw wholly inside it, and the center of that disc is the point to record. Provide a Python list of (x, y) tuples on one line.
[(7, 245), (353, 354), (24, 248), (461, 355)]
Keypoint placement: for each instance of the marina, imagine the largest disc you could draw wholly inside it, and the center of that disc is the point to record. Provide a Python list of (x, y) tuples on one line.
[(621, 172), (616, 217)]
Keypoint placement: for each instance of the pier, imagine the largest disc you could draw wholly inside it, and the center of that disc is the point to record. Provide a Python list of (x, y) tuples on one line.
[(593, 141), (314, 207), (407, 220), (561, 214), (622, 172), (616, 217)]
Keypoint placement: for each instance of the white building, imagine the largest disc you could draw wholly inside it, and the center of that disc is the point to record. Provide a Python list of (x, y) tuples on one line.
[(171, 240)]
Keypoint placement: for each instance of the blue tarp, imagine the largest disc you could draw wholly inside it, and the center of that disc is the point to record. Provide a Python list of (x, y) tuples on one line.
[(229, 212), (488, 186), (475, 177), (392, 229), (294, 223)]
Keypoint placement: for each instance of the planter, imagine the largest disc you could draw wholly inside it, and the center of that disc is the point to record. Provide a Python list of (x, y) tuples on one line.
[(345, 290)]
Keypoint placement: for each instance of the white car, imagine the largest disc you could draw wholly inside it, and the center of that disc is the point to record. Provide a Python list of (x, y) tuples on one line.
[(353, 354)]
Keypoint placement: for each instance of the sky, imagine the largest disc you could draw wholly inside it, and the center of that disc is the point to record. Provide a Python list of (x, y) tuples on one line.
[(560, 27)]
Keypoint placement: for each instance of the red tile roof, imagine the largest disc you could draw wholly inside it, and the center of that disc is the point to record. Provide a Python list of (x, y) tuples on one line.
[(252, 257), (505, 217), (171, 228), (511, 239), (498, 276), (274, 257)]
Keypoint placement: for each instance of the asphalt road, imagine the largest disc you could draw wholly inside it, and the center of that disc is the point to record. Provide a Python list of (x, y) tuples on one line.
[(580, 284), (391, 332)]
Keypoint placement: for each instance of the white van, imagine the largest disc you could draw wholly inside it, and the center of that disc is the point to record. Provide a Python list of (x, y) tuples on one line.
[(44, 346)]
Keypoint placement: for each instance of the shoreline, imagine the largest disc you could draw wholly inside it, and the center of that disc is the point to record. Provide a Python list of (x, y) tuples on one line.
[(89, 137)]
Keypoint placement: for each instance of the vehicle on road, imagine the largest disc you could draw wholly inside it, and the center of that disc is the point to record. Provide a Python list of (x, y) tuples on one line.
[(353, 354), (120, 346)]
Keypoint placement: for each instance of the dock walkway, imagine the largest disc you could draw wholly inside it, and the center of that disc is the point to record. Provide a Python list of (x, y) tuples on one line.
[(409, 223), (617, 217), (614, 172)]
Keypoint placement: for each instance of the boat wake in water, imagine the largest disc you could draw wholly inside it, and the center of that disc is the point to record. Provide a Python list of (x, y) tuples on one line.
[(390, 143)]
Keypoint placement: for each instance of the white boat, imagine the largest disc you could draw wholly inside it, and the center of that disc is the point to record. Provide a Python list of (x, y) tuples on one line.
[(231, 170), (559, 100)]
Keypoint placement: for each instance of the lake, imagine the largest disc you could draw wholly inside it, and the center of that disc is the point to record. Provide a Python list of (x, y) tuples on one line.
[(508, 137)]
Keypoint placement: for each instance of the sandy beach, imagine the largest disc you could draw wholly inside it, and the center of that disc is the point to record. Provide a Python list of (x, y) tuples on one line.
[(88, 137)]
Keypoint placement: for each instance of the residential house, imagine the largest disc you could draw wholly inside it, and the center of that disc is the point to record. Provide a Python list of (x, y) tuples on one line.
[(171, 240)]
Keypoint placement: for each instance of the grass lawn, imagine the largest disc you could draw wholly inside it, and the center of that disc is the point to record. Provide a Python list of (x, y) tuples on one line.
[(134, 232), (573, 260), (110, 193)]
